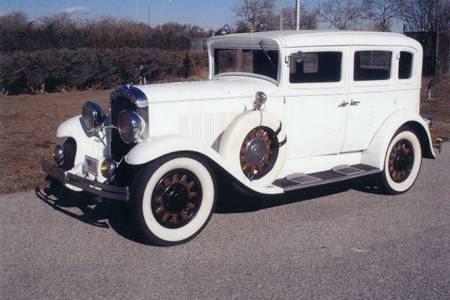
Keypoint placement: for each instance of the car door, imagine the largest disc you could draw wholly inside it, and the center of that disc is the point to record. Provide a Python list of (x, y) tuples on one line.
[(371, 94), (316, 102)]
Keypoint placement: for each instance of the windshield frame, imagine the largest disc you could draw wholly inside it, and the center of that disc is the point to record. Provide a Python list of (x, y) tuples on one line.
[(247, 45)]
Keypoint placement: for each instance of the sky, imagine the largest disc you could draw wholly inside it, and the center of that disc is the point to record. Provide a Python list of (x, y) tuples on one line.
[(205, 13)]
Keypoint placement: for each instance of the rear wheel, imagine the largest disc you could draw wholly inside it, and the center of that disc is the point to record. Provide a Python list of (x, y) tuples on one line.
[(402, 162), (173, 198)]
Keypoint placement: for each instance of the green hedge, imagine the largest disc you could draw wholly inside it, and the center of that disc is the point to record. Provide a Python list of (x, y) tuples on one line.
[(64, 69)]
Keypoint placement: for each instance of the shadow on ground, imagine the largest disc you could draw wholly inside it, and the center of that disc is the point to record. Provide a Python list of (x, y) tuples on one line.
[(232, 199)]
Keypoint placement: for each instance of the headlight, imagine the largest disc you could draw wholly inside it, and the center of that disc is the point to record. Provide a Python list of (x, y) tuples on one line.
[(92, 116), (130, 126), (58, 155)]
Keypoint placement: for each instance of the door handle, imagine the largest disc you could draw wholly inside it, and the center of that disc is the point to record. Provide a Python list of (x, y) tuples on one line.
[(343, 104), (354, 103)]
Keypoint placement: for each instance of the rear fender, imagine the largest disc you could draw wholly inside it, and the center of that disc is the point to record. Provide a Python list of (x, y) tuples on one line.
[(376, 152)]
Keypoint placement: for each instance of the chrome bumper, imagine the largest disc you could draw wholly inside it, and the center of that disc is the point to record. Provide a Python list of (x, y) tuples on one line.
[(438, 145), (104, 190)]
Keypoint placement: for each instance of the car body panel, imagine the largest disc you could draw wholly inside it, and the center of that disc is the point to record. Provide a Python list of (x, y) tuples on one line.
[(322, 133), (375, 153)]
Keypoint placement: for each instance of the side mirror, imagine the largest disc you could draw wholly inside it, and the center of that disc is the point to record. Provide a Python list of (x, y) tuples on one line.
[(297, 57)]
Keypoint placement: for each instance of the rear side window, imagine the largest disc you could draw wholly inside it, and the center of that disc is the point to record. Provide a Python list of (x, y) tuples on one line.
[(372, 65), (317, 67), (405, 65)]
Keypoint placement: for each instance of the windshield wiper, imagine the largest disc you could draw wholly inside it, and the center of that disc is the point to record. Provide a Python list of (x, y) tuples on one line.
[(267, 56)]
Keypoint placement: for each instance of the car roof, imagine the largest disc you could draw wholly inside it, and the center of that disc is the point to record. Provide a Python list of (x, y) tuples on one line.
[(310, 38)]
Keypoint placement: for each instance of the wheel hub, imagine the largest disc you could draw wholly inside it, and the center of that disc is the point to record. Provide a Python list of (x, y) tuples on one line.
[(176, 198), (401, 161), (259, 152)]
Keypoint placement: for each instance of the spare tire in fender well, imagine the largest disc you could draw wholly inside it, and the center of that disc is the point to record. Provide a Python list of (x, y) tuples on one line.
[(255, 145)]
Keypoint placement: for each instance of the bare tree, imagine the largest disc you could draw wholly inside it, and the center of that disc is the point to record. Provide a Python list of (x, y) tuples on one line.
[(425, 15), (341, 14), (381, 13), (308, 19), (255, 15)]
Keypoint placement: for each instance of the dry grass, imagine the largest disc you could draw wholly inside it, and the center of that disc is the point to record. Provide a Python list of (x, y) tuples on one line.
[(438, 106), (28, 124)]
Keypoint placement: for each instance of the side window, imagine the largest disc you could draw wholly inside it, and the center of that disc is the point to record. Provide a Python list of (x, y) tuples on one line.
[(317, 67), (405, 65), (372, 65)]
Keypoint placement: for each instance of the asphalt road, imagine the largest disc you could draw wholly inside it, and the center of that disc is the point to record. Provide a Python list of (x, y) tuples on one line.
[(334, 244)]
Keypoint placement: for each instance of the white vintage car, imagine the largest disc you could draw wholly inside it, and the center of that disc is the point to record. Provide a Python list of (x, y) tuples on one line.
[(281, 111)]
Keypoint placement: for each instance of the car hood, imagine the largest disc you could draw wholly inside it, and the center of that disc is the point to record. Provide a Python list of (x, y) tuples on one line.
[(218, 88)]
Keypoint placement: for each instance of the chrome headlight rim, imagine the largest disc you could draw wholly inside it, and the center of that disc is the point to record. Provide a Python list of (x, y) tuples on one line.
[(58, 155), (93, 116), (131, 131), (108, 168)]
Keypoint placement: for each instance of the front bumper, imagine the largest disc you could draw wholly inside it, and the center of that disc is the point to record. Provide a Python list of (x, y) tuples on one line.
[(104, 190)]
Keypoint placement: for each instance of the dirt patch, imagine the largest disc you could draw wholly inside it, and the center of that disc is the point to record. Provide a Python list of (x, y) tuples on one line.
[(28, 125), (438, 106)]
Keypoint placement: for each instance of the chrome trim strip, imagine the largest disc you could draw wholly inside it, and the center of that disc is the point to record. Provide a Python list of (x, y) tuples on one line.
[(132, 93), (139, 99)]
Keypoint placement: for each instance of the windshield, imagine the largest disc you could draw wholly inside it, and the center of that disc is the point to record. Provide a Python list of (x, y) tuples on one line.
[(255, 61)]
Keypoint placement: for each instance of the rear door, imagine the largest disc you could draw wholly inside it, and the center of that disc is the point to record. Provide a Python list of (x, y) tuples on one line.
[(372, 95)]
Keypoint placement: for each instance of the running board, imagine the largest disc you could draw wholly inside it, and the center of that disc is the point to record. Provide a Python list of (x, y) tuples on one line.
[(341, 173)]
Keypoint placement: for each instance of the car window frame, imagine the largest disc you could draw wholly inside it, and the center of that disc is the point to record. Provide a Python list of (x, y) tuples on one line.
[(381, 82), (318, 85)]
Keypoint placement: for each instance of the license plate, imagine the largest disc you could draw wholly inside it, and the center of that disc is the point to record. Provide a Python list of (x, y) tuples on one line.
[(91, 166)]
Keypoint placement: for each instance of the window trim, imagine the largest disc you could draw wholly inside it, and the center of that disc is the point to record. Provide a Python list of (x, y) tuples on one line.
[(279, 67), (413, 64), (330, 84), (371, 83), (391, 66)]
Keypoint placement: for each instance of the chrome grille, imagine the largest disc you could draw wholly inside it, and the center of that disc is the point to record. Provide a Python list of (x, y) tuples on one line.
[(127, 97)]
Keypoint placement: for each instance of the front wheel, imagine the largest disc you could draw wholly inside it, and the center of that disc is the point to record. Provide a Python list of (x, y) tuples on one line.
[(173, 198), (402, 162)]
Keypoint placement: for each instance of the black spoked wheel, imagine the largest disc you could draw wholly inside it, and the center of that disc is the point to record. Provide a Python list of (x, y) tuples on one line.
[(176, 198), (172, 198), (401, 160)]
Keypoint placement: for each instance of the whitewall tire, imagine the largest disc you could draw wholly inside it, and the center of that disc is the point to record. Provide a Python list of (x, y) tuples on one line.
[(173, 198), (402, 162), (254, 144)]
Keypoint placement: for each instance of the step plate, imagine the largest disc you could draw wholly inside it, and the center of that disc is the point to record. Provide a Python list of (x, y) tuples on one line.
[(303, 179), (300, 181), (348, 171)]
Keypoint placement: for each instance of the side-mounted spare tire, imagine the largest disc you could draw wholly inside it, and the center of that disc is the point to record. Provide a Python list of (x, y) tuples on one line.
[(255, 144)]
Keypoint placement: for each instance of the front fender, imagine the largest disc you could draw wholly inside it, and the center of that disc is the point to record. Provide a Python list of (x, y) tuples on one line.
[(157, 147), (376, 152), (86, 145)]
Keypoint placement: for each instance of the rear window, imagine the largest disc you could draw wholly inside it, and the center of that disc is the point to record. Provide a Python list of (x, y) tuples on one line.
[(317, 67), (372, 65), (405, 65)]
